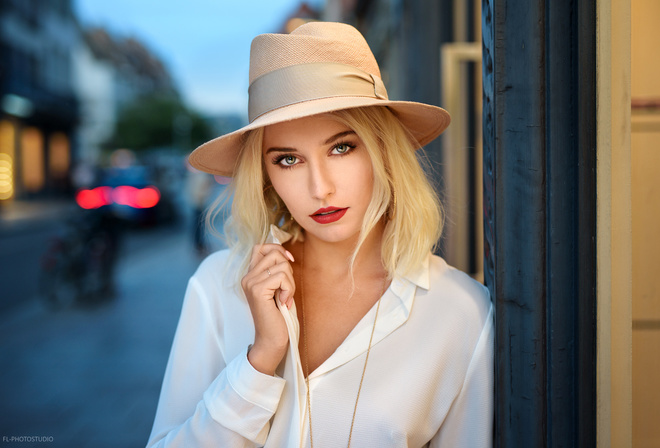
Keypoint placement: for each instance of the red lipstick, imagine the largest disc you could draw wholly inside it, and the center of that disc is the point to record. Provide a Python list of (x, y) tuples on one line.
[(328, 215)]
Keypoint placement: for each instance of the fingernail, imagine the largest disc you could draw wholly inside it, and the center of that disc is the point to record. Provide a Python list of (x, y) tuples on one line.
[(289, 256)]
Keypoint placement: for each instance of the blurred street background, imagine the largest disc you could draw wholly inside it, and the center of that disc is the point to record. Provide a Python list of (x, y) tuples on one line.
[(100, 103), (90, 375)]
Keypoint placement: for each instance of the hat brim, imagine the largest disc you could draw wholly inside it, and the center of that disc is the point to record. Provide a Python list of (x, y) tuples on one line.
[(218, 156)]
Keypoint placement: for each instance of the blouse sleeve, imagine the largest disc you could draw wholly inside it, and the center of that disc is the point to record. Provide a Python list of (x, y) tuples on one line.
[(470, 419), (205, 400)]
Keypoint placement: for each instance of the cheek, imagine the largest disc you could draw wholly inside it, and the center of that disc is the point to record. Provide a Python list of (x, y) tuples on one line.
[(360, 175), (271, 174), (274, 175), (286, 194), (285, 190), (367, 182)]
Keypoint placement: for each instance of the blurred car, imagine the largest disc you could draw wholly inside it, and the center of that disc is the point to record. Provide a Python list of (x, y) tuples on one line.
[(129, 194)]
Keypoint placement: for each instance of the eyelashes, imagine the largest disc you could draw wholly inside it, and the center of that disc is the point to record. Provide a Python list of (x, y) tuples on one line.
[(287, 161), (345, 148)]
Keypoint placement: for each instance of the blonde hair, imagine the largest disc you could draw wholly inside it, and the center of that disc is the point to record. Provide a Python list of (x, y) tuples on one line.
[(402, 195)]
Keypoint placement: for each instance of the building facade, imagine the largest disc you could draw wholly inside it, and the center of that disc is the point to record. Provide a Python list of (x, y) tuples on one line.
[(549, 159), (39, 109), (110, 73)]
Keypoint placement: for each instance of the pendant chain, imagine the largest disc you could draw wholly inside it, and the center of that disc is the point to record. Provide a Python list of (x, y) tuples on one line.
[(307, 372)]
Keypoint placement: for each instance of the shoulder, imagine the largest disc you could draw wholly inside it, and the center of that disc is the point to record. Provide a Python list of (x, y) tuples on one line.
[(216, 278), (457, 313), (440, 272), (214, 260), (215, 306), (215, 267), (458, 292)]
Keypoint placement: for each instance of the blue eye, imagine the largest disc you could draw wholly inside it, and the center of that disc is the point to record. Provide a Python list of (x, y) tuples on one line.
[(286, 160), (342, 148)]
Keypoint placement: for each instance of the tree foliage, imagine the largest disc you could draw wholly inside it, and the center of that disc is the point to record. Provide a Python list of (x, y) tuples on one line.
[(159, 121)]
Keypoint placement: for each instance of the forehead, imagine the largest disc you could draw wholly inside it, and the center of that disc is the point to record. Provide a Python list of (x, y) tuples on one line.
[(315, 130)]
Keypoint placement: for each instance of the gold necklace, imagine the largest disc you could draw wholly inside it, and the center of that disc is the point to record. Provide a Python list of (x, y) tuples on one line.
[(366, 359)]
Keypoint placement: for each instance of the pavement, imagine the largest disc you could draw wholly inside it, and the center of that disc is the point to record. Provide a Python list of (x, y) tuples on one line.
[(91, 376), (23, 215), (27, 229)]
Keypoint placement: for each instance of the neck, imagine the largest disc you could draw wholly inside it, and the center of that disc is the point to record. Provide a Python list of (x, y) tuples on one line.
[(333, 258)]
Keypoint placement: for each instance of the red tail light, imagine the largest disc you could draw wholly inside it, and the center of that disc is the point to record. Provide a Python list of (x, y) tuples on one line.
[(147, 197), (124, 195)]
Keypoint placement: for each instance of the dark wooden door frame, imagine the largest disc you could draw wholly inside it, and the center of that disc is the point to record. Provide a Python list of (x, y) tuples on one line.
[(539, 78)]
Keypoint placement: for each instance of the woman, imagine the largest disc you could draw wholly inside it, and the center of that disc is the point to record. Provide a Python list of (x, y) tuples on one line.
[(328, 322)]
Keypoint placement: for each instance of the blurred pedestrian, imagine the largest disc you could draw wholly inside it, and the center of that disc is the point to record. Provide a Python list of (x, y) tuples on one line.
[(199, 186), (328, 322)]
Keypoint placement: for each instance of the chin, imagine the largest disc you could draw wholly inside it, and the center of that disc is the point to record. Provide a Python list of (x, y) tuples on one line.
[(333, 235)]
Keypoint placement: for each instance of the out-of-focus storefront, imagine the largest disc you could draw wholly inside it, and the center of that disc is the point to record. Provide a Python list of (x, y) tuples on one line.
[(32, 161), (62, 88), (38, 106), (594, 208)]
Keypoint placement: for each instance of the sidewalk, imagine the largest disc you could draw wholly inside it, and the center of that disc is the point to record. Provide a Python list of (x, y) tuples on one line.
[(24, 215), (90, 377), (26, 230)]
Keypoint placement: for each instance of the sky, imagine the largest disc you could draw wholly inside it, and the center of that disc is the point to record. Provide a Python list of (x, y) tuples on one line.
[(205, 44)]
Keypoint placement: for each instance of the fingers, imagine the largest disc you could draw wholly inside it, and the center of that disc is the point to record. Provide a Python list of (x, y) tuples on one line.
[(270, 274), (269, 280), (261, 250), (278, 276)]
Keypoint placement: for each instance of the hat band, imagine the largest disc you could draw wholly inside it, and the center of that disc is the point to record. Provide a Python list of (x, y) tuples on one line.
[(305, 82)]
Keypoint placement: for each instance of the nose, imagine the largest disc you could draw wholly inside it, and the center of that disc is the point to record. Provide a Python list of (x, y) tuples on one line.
[(321, 184)]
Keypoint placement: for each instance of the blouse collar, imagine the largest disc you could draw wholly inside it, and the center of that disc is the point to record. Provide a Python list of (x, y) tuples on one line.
[(395, 309), (418, 277)]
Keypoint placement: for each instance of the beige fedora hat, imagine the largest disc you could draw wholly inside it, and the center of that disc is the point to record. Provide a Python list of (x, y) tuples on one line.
[(320, 67)]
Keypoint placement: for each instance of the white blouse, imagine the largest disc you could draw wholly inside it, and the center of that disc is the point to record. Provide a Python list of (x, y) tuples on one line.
[(428, 383)]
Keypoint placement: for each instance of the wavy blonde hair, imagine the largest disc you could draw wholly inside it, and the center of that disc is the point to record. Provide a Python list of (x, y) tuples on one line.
[(402, 195)]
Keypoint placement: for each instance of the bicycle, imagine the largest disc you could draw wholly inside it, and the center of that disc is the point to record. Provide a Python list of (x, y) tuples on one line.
[(78, 265)]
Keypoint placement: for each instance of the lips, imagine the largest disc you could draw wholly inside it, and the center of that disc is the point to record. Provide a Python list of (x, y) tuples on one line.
[(328, 215)]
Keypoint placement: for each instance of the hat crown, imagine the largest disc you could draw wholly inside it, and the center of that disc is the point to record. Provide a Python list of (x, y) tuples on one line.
[(312, 42), (319, 68)]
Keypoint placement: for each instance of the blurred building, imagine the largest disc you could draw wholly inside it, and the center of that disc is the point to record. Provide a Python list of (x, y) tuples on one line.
[(38, 105), (110, 72), (555, 301), (430, 51), (61, 90), (302, 14)]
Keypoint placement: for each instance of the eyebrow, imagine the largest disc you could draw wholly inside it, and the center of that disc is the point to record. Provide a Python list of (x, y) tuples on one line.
[(338, 136), (333, 138)]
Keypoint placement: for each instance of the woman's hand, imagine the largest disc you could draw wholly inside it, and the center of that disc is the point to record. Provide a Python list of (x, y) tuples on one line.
[(269, 278)]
